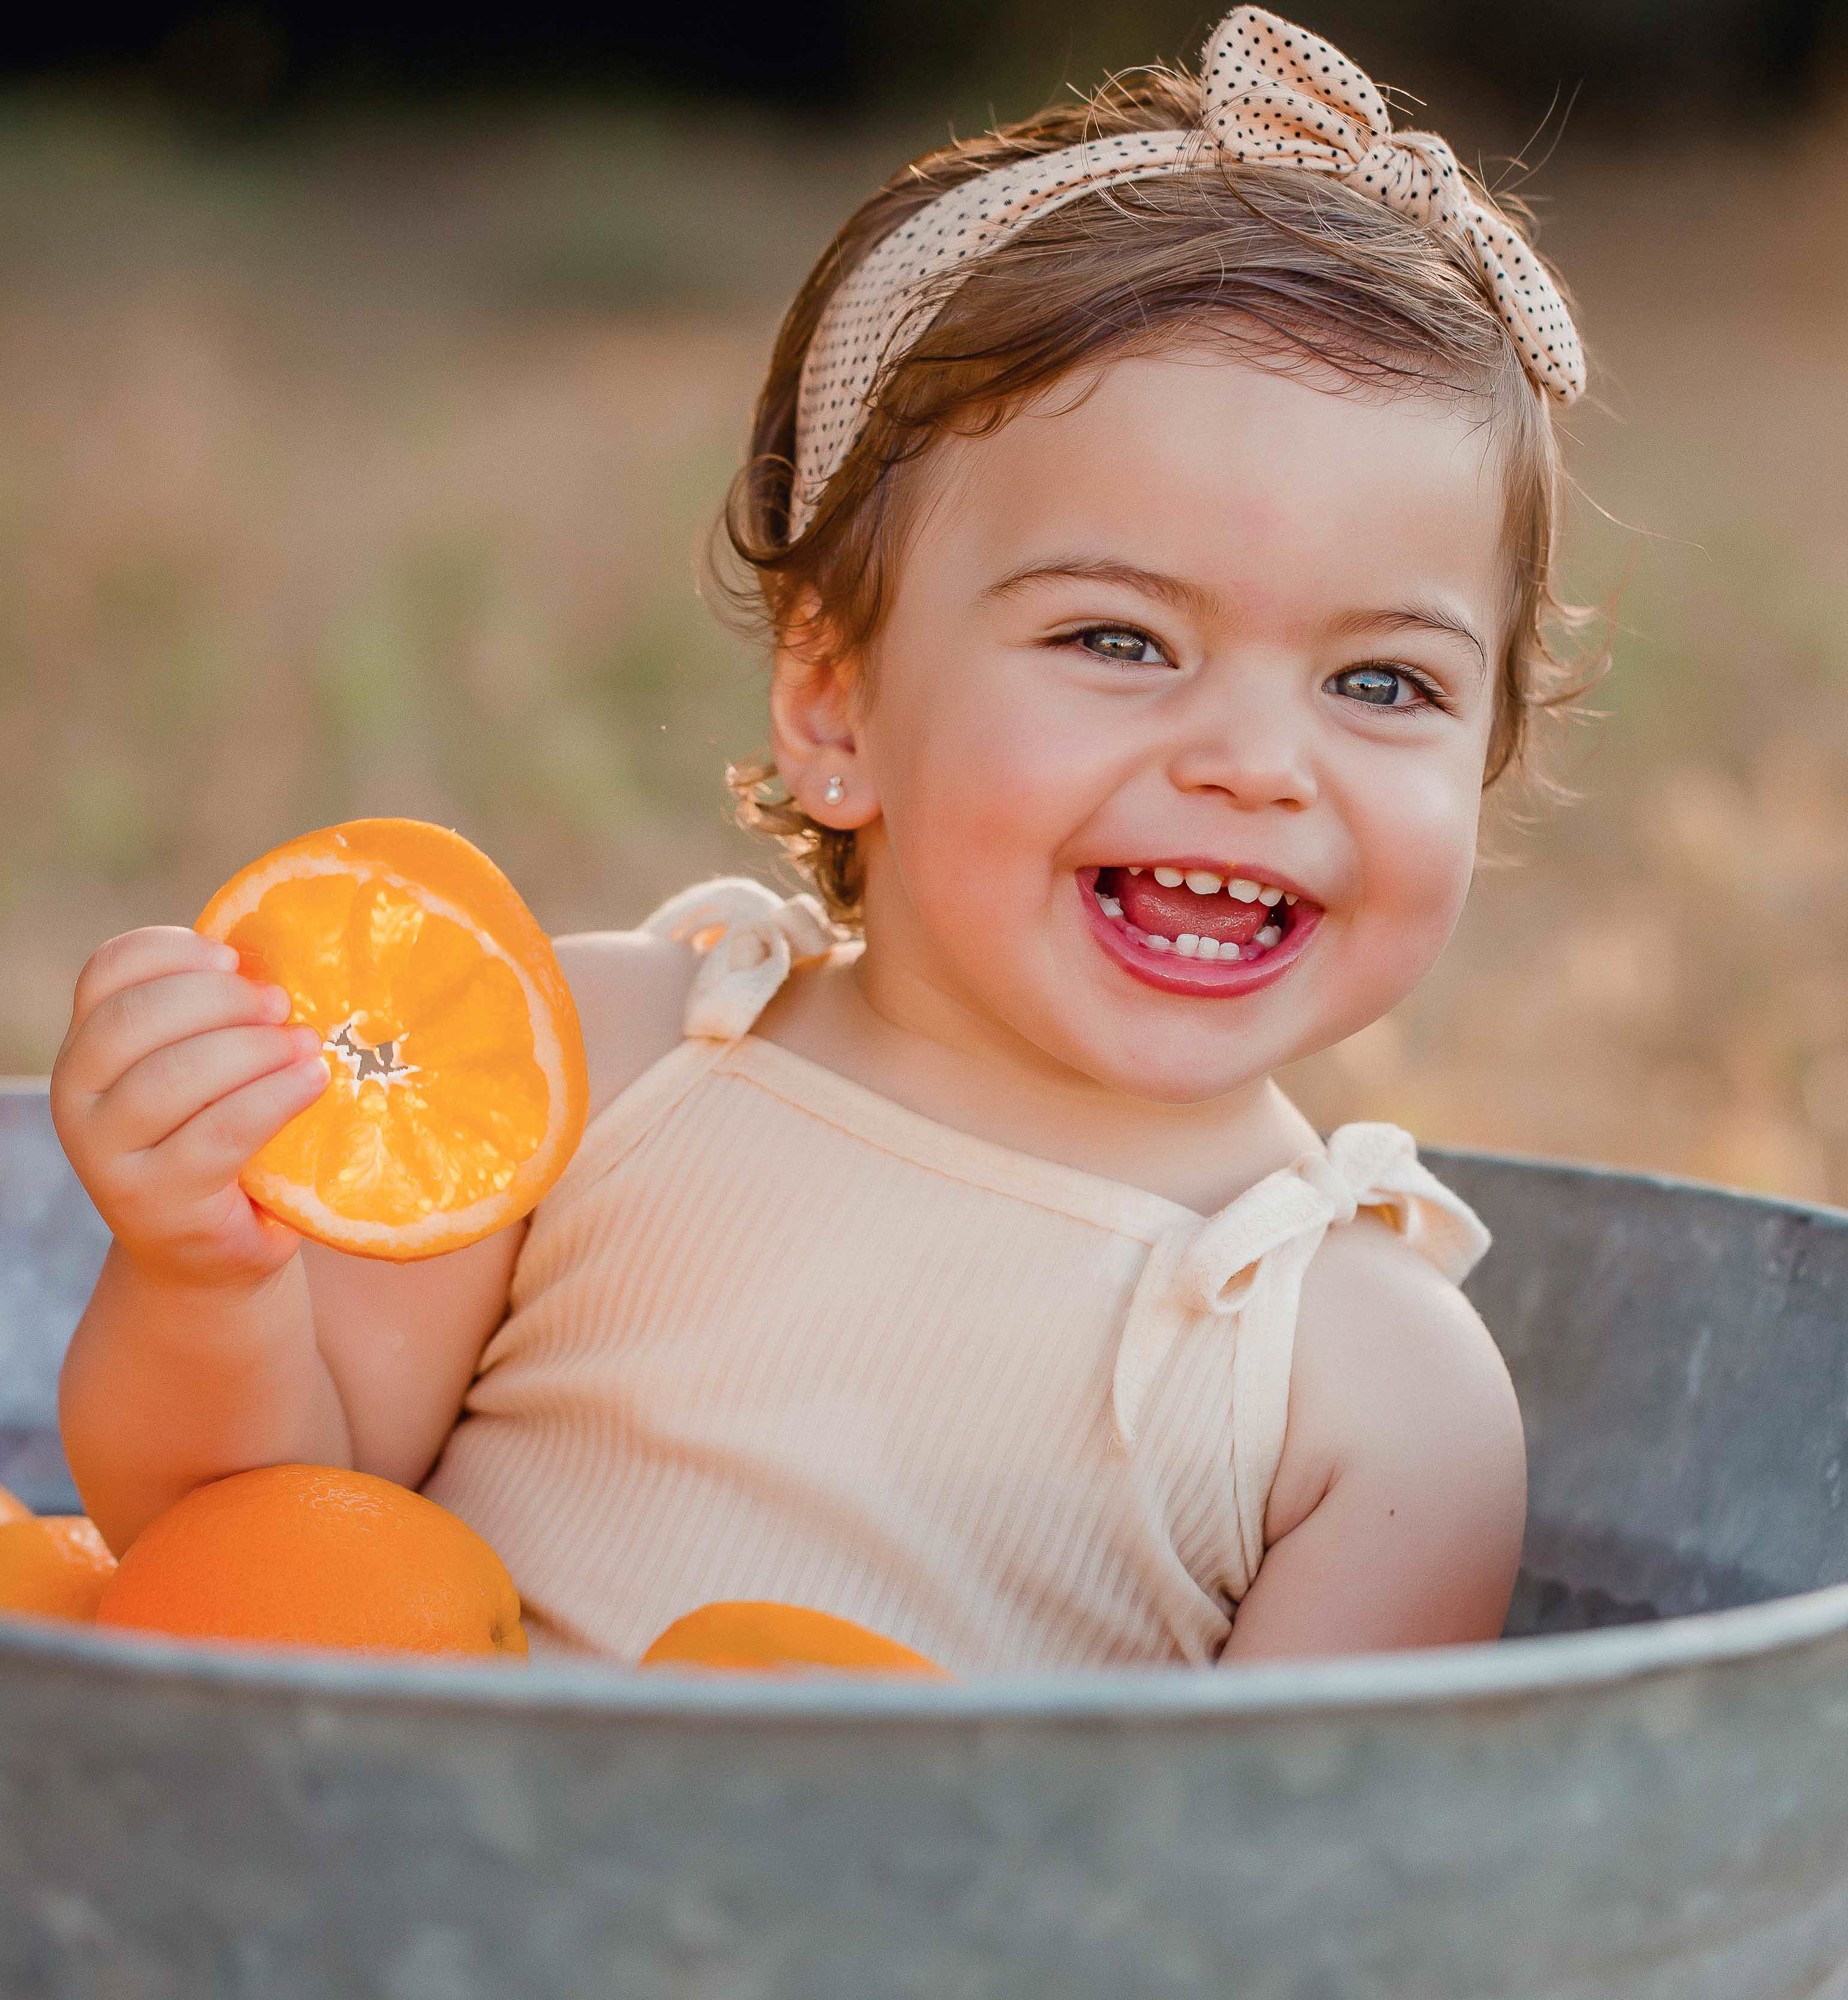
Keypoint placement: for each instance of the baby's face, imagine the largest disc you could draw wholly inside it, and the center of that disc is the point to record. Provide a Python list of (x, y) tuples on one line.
[(1208, 636)]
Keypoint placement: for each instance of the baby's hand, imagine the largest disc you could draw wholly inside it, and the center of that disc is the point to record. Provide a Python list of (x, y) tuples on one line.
[(176, 1069)]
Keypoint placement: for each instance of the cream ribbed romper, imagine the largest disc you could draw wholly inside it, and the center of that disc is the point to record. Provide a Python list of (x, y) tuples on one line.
[(773, 1335)]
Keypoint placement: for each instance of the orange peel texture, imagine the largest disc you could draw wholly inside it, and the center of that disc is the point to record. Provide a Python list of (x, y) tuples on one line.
[(459, 1090), (741, 1636), (313, 1555), (53, 1565)]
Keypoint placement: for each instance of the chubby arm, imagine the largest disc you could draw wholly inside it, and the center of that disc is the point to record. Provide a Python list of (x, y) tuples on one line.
[(185, 1369), (1398, 1510), (402, 1341)]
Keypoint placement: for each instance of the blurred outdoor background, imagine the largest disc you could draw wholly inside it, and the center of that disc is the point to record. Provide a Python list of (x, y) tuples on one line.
[(369, 379)]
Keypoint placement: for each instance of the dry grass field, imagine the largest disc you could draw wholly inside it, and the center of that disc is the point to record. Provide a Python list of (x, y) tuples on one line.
[(366, 472)]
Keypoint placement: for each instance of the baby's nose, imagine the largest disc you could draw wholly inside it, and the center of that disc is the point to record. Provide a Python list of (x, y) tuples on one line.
[(1256, 758)]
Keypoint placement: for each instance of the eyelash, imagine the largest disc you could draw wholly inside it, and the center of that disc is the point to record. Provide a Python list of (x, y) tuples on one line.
[(1431, 695), (1085, 632)]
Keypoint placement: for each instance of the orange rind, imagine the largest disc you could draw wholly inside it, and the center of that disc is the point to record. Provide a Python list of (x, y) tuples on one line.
[(458, 1091), (744, 1636), (315, 1555), (53, 1566)]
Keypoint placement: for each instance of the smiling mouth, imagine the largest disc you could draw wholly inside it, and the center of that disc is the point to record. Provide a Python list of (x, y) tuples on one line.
[(1175, 912)]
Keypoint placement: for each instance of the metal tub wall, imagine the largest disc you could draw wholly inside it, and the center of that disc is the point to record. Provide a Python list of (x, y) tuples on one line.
[(1653, 1811)]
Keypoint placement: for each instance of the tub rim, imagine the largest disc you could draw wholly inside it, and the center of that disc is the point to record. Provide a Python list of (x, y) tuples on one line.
[(1405, 1682)]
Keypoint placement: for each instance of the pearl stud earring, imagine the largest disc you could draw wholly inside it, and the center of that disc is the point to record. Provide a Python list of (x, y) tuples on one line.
[(834, 790)]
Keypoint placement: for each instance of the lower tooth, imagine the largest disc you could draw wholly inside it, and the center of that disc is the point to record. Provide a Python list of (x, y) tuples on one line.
[(1269, 936), (1156, 942), (1209, 948), (1110, 906), (1187, 944)]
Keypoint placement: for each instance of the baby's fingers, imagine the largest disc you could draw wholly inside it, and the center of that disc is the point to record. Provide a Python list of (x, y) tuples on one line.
[(214, 1145), (148, 953), (162, 1091), (146, 1015)]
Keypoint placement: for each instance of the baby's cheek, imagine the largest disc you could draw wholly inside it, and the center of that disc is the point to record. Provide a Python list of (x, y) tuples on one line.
[(947, 815), (1417, 873), (983, 781)]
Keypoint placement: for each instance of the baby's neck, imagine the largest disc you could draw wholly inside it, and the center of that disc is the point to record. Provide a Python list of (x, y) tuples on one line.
[(913, 1048)]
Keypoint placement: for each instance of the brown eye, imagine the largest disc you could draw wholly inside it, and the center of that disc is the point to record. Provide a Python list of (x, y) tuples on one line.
[(1120, 643)]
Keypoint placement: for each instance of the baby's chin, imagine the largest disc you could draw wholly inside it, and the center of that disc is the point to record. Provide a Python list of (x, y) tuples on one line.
[(1161, 1051), (1181, 1049), (1180, 1068)]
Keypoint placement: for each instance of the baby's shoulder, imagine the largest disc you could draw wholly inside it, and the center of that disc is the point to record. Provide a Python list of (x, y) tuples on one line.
[(1366, 1270), (630, 988), (1393, 1371)]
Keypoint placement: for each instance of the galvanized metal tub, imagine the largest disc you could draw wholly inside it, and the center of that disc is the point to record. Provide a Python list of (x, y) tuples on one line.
[(1657, 1810)]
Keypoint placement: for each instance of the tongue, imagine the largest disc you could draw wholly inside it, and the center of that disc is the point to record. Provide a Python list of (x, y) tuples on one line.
[(1171, 913)]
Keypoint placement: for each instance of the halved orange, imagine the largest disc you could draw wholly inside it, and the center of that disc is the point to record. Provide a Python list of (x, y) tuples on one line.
[(459, 1089), (761, 1636)]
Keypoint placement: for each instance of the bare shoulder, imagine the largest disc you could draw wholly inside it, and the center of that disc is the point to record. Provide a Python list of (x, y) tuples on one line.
[(1394, 1372), (1397, 1514), (1399, 1511), (631, 990)]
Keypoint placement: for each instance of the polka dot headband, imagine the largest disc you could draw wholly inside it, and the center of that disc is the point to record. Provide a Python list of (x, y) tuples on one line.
[(1274, 94)]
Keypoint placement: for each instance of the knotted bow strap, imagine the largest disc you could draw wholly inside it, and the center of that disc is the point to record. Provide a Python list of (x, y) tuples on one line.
[(1275, 94), (1382, 1160), (1245, 1266), (748, 938)]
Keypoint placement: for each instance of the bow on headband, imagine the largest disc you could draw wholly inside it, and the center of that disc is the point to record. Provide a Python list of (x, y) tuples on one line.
[(1275, 94)]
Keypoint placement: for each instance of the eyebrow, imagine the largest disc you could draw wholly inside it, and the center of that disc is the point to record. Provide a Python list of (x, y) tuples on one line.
[(1410, 618), (1175, 590), (1191, 598)]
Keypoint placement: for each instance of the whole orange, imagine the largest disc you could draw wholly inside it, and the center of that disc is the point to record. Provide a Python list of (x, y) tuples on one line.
[(53, 1564), (310, 1555), (765, 1637)]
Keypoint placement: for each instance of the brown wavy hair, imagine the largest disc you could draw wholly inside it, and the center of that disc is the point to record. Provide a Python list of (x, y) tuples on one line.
[(1289, 269)]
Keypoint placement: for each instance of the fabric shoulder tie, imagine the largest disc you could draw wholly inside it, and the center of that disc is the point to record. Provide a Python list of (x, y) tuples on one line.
[(1245, 1265), (748, 938)]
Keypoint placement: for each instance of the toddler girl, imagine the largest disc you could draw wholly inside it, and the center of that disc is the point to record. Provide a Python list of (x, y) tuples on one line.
[(1152, 504)]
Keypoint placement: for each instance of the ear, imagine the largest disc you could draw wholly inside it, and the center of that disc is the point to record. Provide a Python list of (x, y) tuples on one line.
[(814, 725)]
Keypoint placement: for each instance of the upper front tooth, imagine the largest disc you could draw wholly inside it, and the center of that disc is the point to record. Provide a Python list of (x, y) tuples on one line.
[(1246, 892), (1203, 882), (1169, 878), (1270, 898)]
